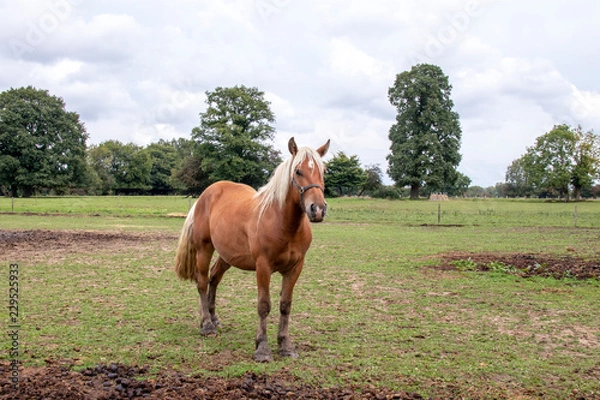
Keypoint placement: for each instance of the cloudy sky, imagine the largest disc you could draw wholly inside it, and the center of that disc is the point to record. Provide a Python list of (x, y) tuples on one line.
[(138, 70)]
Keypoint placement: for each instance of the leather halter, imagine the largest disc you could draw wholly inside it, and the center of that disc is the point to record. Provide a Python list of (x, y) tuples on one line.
[(302, 189)]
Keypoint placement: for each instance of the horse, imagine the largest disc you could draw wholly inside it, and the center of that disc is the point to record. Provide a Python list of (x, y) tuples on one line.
[(265, 231)]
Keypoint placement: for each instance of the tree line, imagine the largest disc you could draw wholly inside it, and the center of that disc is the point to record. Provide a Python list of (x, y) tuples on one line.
[(43, 149)]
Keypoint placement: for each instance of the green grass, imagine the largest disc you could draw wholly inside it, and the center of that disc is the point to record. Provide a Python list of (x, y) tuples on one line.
[(106, 205), (368, 309), (478, 212)]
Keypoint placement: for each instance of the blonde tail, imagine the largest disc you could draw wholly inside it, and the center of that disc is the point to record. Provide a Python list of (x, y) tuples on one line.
[(185, 258)]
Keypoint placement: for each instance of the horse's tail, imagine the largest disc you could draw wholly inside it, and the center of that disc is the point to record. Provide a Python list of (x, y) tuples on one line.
[(185, 258)]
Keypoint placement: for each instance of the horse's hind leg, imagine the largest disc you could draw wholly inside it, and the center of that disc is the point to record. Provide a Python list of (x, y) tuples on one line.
[(203, 257), (216, 274)]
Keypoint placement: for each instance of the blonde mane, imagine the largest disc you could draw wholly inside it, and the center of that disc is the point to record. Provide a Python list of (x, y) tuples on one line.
[(276, 190)]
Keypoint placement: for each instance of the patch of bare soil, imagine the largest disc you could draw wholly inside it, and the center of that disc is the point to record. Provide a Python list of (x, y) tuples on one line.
[(117, 381), (525, 265), (37, 243)]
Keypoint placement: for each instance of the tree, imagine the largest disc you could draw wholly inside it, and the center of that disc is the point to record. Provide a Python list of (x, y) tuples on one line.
[(164, 159), (100, 158), (552, 159), (587, 161), (121, 167), (42, 145), (344, 174), (426, 136), (373, 179), (561, 158), (233, 134), (519, 182), (460, 186)]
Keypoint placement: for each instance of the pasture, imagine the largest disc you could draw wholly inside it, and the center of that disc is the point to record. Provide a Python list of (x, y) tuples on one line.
[(378, 304)]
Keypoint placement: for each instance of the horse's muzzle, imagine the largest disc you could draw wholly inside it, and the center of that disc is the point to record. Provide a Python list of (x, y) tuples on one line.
[(316, 212)]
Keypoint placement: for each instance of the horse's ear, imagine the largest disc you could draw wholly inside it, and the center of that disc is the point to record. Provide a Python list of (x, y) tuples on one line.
[(292, 147), (323, 149)]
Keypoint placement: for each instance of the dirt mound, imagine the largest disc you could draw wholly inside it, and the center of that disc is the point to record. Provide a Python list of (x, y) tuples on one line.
[(525, 265), (117, 381)]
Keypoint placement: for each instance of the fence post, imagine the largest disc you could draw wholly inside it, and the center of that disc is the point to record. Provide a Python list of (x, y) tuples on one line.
[(13, 203), (575, 215), (439, 212)]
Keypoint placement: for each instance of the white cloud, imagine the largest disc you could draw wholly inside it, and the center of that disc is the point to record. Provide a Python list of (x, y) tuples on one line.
[(137, 71)]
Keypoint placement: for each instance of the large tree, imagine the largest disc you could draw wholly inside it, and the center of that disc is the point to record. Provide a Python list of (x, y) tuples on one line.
[(233, 136), (42, 145), (426, 136)]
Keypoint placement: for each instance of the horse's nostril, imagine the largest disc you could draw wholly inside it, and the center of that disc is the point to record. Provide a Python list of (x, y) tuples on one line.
[(313, 209)]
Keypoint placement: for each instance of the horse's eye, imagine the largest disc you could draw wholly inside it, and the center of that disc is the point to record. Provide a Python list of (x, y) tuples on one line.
[(298, 172)]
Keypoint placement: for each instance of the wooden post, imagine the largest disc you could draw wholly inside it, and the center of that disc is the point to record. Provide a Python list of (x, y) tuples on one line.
[(439, 212), (575, 215), (13, 203)]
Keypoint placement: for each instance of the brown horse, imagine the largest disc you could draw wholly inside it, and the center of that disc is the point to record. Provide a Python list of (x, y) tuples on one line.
[(266, 231)]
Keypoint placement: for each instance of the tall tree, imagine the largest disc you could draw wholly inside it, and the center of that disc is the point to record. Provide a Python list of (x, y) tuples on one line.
[(344, 174), (42, 145), (233, 136), (426, 136)]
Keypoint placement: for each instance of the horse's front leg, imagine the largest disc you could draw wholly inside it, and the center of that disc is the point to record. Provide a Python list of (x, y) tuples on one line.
[(286, 348), (263, 280)]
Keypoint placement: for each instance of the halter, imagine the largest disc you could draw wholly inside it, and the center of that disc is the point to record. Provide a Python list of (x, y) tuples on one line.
[(302, 189)]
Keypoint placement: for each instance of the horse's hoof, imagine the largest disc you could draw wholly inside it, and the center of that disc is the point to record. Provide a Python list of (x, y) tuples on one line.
[(208, 330), (288, 353), (263, 356)]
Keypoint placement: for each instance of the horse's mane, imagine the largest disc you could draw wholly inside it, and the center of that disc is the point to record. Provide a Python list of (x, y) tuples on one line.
[(276, 190)]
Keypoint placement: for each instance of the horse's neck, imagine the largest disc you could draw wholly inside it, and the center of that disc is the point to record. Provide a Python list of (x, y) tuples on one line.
[(293, 216), (287, 217)]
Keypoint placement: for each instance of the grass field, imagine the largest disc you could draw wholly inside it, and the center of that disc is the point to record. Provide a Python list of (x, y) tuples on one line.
[(368, 309)]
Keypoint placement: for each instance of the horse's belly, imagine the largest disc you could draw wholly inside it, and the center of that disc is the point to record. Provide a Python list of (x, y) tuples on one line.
[(231, 243), (243, 262)]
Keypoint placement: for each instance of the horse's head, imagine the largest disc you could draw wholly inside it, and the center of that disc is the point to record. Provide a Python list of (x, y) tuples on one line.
[(308, 182)]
